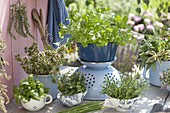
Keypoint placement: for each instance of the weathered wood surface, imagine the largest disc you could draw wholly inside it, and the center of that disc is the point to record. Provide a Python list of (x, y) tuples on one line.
[(153, 96)]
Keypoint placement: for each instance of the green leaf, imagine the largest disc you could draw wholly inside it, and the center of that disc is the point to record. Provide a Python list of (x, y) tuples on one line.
[(146, 2), (145, 7), (125, 19), (109, 29), (138, 1), (158, 12), (118, 18), (138, 10), (25, 83)]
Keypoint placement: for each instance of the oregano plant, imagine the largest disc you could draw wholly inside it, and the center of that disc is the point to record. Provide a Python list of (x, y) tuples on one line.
[(45, 62)]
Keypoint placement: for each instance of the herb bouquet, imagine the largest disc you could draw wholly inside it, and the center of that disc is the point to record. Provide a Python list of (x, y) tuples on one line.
[(32, 94), (72, 89), (125, 92)]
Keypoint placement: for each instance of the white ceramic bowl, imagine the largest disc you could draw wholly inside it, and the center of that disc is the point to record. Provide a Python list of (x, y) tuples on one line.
[(34, 105), (73, 99)]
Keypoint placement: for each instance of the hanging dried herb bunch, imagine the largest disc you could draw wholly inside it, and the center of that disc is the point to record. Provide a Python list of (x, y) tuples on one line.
[(4, 99), (19, 21)]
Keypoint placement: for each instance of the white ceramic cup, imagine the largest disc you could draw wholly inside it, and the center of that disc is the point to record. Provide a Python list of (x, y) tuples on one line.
[(34, 105), (121, 105)]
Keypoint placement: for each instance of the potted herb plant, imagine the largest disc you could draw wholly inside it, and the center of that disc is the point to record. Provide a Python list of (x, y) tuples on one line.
[(155, 55), (124, 93), (4, 99), (72, 89), (97, 33), (32, 94), (43, 65)]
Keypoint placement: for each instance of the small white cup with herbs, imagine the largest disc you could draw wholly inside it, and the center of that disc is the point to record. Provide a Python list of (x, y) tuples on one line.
[(31, 94), (124, 93), (72, 89)]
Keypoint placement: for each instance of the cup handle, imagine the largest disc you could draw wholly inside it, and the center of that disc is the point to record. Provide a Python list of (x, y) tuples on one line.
[(107, 103), (50, 99), (145, 73)]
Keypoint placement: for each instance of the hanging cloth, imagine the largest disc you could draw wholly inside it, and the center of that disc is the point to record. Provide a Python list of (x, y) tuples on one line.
[(57, 13)]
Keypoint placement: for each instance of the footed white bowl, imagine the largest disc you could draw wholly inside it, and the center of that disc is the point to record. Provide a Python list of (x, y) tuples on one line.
[(121, 105), (73, 99)]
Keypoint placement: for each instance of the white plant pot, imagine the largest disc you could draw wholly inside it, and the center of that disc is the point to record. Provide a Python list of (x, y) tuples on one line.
[(121, 105), (73, 99), (34, 105), (154, 73)]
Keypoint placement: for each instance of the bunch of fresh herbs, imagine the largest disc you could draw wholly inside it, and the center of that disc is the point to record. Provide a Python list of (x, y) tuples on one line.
[(98, 27), (128, 87), (19, 20), (71, 84), (155, 48), (46, 62), (28, 89)]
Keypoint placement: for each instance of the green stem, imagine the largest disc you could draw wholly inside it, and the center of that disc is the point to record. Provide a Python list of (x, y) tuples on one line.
[(91, 106)]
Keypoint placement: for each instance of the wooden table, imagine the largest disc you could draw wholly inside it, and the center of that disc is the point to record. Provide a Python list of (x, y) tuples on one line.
[(154, 99)]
